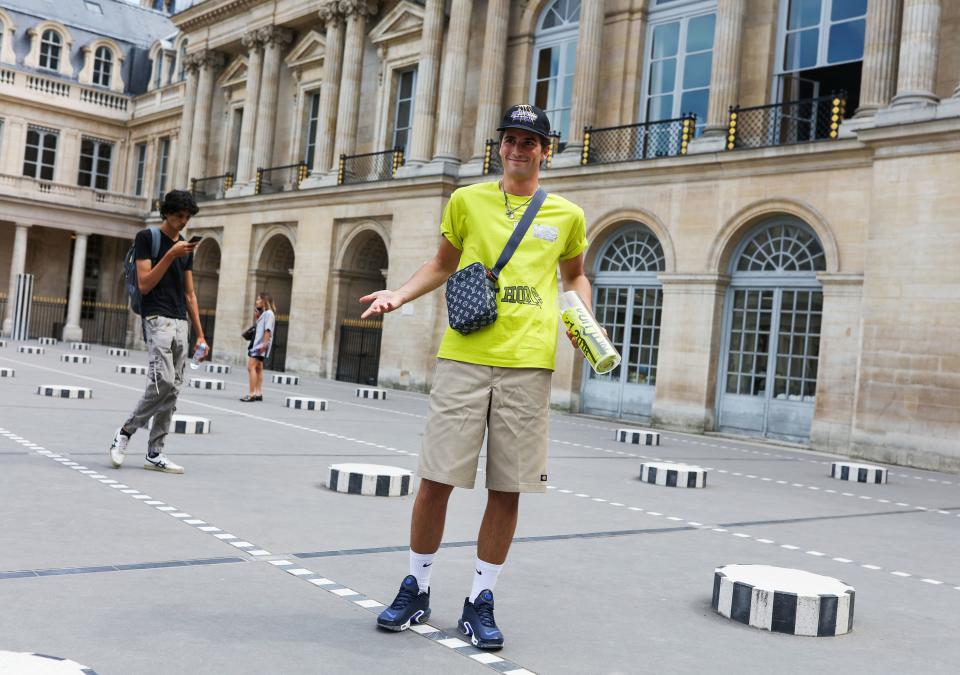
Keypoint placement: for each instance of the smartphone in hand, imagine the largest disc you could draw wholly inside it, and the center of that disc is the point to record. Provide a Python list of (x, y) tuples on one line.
[(194, 239)]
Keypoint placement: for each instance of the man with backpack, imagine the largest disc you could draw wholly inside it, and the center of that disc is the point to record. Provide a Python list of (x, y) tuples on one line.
[(160, 285)]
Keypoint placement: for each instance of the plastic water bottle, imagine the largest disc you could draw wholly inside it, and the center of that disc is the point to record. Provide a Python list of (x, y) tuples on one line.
[(598, 350), (198, 355)]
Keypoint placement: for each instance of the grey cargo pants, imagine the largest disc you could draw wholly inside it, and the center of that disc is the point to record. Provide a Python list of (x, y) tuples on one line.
[(167, 341)]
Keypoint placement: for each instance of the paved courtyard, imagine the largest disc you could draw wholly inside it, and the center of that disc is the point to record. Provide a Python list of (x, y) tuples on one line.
[(249, 564)]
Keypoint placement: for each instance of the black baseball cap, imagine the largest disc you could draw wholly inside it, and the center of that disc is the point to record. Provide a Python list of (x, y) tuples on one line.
[(527, 117)]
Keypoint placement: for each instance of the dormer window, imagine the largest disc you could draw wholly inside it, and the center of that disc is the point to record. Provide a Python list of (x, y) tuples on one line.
[(102, 66), (51, 45)]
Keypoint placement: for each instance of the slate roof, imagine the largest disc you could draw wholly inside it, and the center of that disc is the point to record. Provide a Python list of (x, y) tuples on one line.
[(119, 20)]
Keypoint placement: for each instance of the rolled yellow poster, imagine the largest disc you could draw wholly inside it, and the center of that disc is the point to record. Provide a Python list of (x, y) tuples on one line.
[(599, 352)]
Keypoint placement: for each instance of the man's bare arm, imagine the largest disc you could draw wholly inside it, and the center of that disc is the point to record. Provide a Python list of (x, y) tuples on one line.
[(431, 275)]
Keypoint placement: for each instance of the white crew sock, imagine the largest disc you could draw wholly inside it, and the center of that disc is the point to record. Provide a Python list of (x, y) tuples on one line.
[(484, 577), (421, 565)]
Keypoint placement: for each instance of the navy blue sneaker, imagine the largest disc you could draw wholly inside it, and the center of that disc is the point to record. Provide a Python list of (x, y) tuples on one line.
[(478, 623), (410, 606)]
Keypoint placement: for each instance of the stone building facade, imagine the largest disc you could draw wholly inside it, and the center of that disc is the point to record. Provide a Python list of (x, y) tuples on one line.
[(767, 186)]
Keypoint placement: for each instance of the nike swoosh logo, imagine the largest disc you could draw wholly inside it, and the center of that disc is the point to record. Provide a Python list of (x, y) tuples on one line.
[(427, 564), (480, 573)]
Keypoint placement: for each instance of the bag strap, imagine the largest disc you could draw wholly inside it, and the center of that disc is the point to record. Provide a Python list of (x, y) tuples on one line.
[(521, 229), (154, 242)]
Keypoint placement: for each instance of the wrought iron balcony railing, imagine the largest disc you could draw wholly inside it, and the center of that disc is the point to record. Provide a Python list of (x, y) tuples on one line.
[(631, 142), (491, 154), (210, 187), (369, 167), (281, 178), (803, 121)]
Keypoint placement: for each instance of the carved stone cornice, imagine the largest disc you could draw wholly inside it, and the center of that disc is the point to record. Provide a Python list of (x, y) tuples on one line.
[(252, 39), (210, 12), (330, 11), (207, 58), (275, 34), (348, 8)]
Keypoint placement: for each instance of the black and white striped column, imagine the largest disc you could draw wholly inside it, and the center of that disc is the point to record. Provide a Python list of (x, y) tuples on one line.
[(304, 403), (74, 358), (371, 392), (858, 473), (670, 474), (783, 600), (131, 369), (64, 391), (638, 436), (189, 424), (370, 479), (219, 368), (22, 305), (117, 351), (31, 349), (48, 341), (80, 346), (285, 379), (7, 372), (204, 383)]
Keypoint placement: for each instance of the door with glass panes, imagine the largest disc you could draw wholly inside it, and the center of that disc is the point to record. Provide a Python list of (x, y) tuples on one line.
[(772, 325), (628, 302)]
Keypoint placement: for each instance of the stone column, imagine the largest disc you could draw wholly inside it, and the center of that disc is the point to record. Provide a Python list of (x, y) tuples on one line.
[(356, 12), (248, 123), (879, 56), (72, 330), (274, 39), (453, 83), (490, 98), (919, 47), (586, 76), (725, 73), (323, 160), (208, 62), (425, 108), (182, 163), (18, 264)]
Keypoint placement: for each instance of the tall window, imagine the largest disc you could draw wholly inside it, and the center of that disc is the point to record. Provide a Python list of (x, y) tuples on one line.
[(158, 69), (822, 46), (102, 66), (163, 158), (40, 153), (233, 160), (554, 62), (679, 62), (95, 159), (141, 154), (182, 62), (313, 115), (50, 46), (403, 113)]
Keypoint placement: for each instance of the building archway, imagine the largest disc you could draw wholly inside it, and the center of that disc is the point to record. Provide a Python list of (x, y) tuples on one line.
[(362, 271), (206, 280), (771, 331), (274, 275), (628, 302)]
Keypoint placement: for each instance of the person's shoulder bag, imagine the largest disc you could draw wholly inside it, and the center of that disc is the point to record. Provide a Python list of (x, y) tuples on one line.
[(472, 291)]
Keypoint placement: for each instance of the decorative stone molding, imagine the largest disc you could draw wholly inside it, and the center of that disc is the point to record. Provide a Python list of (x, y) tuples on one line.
[(252, 39), (32, 59), (7, 31), (116, 69), (235, 74), (330, 12), (604, 226), (275, 35), (348, 8), (309, 52), (403, 22)]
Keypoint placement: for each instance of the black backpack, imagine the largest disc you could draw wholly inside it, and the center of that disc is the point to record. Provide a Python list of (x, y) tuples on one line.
[(130, 269)]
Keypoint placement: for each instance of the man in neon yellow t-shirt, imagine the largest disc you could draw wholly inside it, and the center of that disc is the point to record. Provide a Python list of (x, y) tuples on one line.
[(495, 380)]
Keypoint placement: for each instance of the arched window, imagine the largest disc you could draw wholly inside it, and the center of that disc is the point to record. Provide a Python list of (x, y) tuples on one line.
[(102, 66), (554, 62), (628, 303), (773, 318), (51, 45)]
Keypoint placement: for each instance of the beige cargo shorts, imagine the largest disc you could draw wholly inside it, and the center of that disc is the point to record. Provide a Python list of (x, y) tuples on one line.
[(510, 405)]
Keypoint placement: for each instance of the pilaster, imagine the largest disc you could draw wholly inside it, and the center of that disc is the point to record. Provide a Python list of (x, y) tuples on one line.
[(72, 330)]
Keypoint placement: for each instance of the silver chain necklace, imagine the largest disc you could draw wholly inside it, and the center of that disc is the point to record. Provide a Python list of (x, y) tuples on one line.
[(512, 210)]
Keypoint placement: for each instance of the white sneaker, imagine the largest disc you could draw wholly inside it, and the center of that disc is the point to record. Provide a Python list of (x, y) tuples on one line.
[(118, 448), (161, 463)]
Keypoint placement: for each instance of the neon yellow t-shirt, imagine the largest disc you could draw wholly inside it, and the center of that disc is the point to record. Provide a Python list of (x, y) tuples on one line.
[(525, 332)]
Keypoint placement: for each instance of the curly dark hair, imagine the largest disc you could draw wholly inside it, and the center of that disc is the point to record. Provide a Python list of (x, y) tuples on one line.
[(178, 200)]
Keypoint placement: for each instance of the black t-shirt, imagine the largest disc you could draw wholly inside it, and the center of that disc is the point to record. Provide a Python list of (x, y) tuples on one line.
[(168, 297)]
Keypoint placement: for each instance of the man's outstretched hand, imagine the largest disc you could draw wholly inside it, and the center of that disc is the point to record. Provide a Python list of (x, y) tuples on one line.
[(382, 302)]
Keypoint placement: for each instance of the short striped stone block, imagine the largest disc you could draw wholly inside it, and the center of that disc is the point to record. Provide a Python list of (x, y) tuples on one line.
[(31, 349), (7, 372), (220, 368), (204, 383), (859, 473), (80, 346), (74, 358), (303, 403), (117, 351), (285, 379), (671, 474), (64, 391), (370, 479), (47, 341), (189, 424), (784, 600), (3, 343), (638, 436), (131, 369), (370, 392)]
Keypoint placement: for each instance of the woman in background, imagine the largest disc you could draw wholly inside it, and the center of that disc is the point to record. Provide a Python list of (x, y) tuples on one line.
[(259, 348)]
